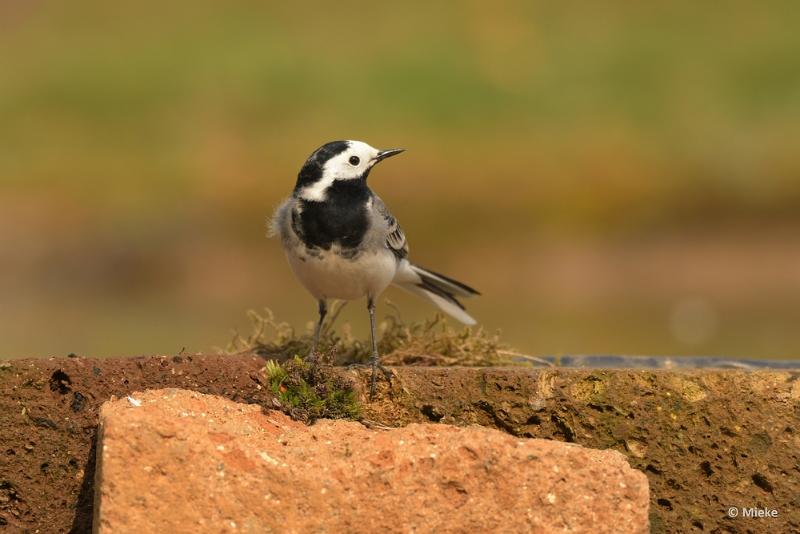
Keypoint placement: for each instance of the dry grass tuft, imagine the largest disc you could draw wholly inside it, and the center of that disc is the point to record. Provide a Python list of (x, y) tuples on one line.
[(432, 342)]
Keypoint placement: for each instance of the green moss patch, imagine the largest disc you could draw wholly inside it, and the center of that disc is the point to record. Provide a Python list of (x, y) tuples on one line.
[(308, 390)]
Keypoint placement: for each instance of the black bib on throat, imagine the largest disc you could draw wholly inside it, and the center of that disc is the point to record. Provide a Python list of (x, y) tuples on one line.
[(340, 219)]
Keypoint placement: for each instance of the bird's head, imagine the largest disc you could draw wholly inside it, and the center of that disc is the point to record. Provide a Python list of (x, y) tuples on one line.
[(337, 160)]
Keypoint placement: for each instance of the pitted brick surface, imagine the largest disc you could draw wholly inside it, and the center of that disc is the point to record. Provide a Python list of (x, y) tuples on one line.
[(187, 462)]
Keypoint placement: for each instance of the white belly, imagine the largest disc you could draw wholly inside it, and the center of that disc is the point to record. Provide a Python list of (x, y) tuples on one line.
[(331, 276)]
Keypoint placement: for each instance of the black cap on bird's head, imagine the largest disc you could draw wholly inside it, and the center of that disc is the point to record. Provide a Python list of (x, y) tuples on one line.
[(337, 160)]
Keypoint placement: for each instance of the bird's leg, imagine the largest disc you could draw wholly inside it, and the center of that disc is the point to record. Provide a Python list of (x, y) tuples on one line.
[(323, 311), (375, 360)]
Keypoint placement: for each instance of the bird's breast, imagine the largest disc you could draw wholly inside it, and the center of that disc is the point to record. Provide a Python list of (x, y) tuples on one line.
[(331, 274)]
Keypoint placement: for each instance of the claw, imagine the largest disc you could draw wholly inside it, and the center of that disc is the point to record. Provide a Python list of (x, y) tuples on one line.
[(374, 380), (388, 374)]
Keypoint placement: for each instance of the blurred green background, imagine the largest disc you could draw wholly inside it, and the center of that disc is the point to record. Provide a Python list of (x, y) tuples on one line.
[(614, 178)]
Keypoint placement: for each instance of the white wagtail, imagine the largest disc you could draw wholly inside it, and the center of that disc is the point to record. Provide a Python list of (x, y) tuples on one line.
[(342, 242)]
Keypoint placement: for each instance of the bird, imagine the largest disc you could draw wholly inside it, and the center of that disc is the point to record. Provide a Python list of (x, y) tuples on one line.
[(342, 242)]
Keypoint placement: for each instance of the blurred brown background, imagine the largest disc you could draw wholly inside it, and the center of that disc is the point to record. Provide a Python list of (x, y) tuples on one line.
[(613, 179)]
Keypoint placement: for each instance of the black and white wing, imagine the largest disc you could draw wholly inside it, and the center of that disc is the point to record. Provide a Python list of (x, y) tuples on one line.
[(395, 238)]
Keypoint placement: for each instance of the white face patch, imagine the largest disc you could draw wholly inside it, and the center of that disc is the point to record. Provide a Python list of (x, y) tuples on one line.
[(351, 164)]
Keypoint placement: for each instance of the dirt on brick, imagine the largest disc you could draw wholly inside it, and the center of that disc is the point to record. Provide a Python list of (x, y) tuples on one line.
[(706, 439)]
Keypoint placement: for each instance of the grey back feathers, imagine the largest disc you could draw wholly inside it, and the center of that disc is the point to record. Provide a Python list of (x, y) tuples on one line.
[(395, 238)]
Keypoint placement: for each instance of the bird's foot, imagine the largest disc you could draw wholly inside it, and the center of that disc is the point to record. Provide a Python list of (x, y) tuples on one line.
[(375, 365), (374, 380)]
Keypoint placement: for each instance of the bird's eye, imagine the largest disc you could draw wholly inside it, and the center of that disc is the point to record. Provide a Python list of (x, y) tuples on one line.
[(354, 160)]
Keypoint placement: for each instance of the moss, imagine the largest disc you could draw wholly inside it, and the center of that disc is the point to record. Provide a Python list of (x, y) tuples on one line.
[(308, 390), (592, 388), (432, 342), (693, 392)]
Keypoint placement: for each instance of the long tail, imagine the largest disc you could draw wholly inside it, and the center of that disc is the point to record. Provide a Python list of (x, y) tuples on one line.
[(435, 287)]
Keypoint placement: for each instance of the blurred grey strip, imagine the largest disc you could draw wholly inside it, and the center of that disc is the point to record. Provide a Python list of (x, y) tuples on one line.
[(662, 362)]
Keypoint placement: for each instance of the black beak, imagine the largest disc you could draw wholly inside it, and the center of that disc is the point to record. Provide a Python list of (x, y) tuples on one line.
[(383, 154)]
